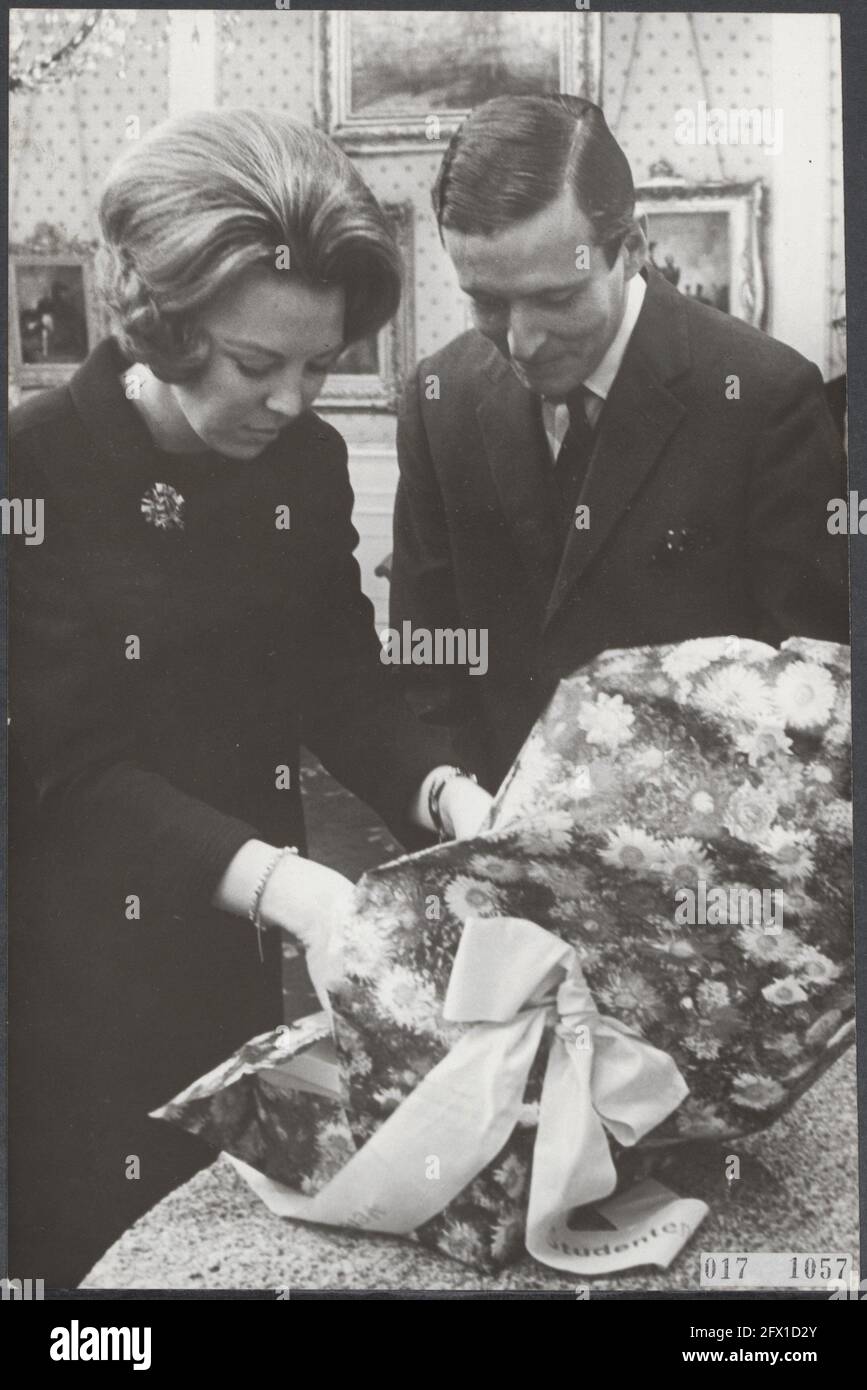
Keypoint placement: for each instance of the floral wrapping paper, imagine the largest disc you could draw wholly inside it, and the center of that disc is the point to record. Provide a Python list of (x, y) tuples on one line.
[(245, 1107), (719, 762)]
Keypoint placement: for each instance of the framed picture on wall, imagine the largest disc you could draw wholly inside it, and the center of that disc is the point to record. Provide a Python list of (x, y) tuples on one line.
[(707, 239), (404, 78), (53, 320), (369, 375)]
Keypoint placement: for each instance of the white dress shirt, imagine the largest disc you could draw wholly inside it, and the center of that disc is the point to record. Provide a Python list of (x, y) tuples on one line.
[(555, 415)]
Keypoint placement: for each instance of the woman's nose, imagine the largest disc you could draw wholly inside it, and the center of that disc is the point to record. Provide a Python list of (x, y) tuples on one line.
[(287, 396)]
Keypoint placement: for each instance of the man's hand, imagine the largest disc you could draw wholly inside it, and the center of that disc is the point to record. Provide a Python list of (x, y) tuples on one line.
[(464, 808)]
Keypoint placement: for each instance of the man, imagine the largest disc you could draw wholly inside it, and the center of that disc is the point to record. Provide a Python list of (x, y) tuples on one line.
[(603, 462)]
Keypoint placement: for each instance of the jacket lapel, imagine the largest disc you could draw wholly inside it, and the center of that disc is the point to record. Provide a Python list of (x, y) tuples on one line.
[(639, 416), (517, 455)]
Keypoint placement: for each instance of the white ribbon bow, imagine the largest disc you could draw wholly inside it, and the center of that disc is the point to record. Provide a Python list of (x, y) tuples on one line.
[(599, 1074), (510, 978)]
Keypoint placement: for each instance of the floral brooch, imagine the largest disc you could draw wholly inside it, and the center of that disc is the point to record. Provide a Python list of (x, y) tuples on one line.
[(163, 508)]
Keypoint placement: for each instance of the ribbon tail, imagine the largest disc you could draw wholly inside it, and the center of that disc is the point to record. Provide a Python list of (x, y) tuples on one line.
[(571, 1158), (438, 1139), (623, 1085), (645, 1225)]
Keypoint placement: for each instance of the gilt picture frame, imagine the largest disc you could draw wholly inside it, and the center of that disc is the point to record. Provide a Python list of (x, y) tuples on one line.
[(370, 374), (708, 240), (403, 79), (54, 320)]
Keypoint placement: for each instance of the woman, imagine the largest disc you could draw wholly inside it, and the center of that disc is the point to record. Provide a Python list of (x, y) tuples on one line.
[(193, 614)]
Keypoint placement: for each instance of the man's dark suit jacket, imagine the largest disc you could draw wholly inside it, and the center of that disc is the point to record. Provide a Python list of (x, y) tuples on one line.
[(708, 513)]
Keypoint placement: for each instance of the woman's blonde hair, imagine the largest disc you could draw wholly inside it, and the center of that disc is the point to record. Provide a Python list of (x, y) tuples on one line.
[(205, 196)]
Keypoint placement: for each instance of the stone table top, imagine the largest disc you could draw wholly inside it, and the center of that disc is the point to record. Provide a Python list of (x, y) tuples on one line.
[(798, 1191)]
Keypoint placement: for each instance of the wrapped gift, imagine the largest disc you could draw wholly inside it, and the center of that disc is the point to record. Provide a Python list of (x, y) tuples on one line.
[(271, 1105), (651, 944)]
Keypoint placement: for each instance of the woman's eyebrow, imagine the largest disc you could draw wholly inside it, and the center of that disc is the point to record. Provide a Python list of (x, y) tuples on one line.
[(250, 346)]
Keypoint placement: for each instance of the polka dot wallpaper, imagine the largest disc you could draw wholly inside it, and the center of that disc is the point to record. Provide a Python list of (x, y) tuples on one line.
[(267, 58), (64, 139), (654, 64), (273, 60)]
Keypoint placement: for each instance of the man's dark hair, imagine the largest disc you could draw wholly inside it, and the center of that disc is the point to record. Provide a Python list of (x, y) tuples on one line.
[(513, 157)]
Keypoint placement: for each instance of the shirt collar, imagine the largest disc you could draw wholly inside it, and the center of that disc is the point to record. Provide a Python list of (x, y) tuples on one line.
[(601, 379), (555, 417)]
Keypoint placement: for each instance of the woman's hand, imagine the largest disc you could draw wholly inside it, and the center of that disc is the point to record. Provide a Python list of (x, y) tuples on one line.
[(301, 896), (464, 807), (307, 900), (310, 902)]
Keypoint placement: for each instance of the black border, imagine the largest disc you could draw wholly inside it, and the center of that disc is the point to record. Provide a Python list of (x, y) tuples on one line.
[(853, 17)]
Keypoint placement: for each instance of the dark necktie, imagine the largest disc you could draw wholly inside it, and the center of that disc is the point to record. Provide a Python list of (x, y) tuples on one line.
[(573, 457)]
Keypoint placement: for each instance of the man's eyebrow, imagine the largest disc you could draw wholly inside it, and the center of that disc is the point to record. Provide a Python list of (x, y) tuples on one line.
[(572, 284)]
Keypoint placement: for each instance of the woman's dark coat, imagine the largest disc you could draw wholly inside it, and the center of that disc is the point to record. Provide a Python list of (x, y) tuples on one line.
[(161, 681)]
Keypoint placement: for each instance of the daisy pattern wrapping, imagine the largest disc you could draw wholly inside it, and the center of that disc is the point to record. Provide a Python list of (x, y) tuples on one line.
[(658, 918)]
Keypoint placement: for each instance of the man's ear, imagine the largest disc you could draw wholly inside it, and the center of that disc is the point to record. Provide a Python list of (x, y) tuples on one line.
[(635, 247)]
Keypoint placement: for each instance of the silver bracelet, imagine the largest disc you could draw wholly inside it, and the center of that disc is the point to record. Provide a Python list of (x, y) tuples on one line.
[(255, 913), (448, 774)]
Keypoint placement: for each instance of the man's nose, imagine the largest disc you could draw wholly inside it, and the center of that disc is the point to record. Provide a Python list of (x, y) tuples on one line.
[(287, 395), (525, 335)]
